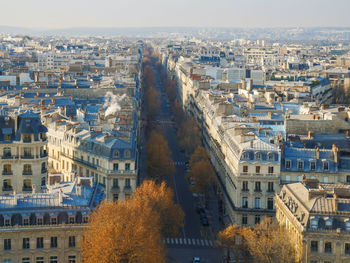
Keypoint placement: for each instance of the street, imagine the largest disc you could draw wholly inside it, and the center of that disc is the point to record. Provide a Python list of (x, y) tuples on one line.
[(194, 239)]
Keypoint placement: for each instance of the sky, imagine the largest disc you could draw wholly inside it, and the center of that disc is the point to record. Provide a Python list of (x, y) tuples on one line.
[(49, 14)]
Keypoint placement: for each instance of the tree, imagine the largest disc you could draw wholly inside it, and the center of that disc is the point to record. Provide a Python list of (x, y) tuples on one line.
[(159, 162), (179, 115), (189, 135), (161, 199), (270, 243), (199, 154), (230, 238), (127, 232)]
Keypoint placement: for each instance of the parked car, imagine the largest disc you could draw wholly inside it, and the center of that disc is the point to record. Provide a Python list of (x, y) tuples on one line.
[(196, 260), (205, 221)]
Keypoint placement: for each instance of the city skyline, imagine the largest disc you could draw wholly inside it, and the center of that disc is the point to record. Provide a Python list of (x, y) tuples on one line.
[(41, 14)]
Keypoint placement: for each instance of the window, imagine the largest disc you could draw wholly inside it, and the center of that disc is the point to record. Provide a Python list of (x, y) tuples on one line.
[(245, 156), (115, 183), (53, 242), (314, 246), (85, 219), (27, 152), (257, 187), (27, 184), (300, 165), (115, 166), (27, 168), (347, 248), (244, 219), (127, 182), (115, 197), (7, 152), (71, 219), (312, 166), (270, 156), (270, 170), (127, 166), (328, 247), (325, 179), (39, 260), (116, 153), (270, 203), (26, 244), (7, 244), (245, 169), (287, 178), (325, 166), (258, 156), (257, 203), (270, 187), (25, 260), (288, 164), (245, 186), (39, 221), (257, 169), (26, 221), (53, 220), (7, 221), (27, 137), (7, 137), (6, 185), (257, 219), (53, 259), (7, 169), (348, 178), (7, 260), (39, 242), (245, 202), (71, 242), (127, 153), (71, 259), (300, 178)]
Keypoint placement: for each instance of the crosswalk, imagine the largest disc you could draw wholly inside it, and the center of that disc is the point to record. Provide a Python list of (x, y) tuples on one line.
[(189, 242), (177, 163)]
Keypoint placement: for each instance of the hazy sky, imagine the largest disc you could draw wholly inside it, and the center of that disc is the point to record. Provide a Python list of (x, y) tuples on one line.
[(137, 13)]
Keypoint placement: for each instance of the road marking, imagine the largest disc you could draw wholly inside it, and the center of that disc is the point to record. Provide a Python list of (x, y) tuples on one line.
[(202, 242), (198, 242), (206, 242), (185, 241), (175, 240), (189, 241), (211, 243), (193, 241), (172, 241), (167, 240), (180, 241)]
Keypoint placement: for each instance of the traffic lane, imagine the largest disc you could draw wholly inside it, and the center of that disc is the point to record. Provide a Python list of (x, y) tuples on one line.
[(184, 255)]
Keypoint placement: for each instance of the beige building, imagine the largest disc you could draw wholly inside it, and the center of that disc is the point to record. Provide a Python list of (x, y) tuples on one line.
[(318, 217), (23, 153), (47, 227)]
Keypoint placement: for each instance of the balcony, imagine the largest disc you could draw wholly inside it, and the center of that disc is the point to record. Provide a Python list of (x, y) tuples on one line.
[(27, 172), (7, 188), (43, 154), (27, 189), (27, 140), (245, 190), (115, 189), (27, 156), (257, 190), (8, 156), (127, 189), (43, 171), (7, 173)]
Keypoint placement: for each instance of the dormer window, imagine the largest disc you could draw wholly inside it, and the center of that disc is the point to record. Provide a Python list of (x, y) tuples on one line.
[(127, 153), (26, 221), (312, 165), (116, 153), (258, 156), (328, 222), (347, 224), (27, 138), (39, 221), (288, 164), (314, 222), (53, 220), (7, 221), (86, 219), (300, 165), (270, 156), (325, 166), (71, 219), (245, 155)]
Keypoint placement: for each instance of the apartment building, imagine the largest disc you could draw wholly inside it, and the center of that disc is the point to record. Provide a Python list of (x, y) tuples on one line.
[(317, 217), (47, 227), (23, 145)]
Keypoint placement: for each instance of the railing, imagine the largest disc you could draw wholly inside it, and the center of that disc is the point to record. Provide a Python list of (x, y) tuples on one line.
[(27, 156), (27, 140), (7, 157), (43, 171), (7, 173), (127, 189), (26, 189), (7, 188), (27, 173)]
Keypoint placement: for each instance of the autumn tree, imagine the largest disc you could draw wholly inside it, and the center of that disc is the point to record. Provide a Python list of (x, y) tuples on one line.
[(161, 199), (126, 232), (270, 243), (189, 135), (231, 239), (203, 176), (179, 114), (199, 154), (159, 162)]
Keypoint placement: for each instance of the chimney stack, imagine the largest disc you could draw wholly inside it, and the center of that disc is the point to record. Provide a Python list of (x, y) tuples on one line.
[(335, 150), (317, 153), (310, 134)]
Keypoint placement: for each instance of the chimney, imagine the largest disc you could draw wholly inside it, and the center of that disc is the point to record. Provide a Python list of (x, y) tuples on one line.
[(335, 150), (310, 134), (78, 190), (317, 153), (269, 114), (251, 143), (243, 84), (33, 189), (60, 197)]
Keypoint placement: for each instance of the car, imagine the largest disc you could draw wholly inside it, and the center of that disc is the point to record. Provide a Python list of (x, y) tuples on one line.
[(196, 260), (198, 209), (205, 221)]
